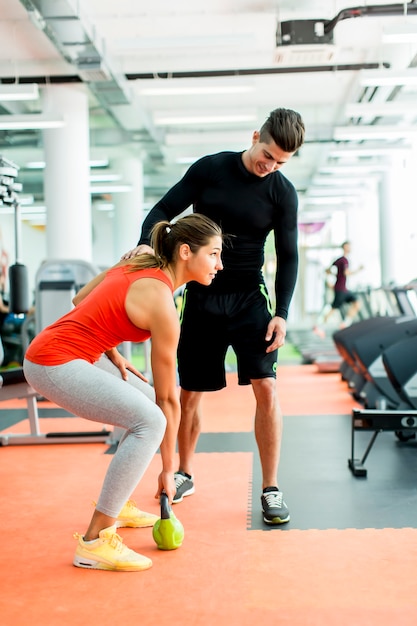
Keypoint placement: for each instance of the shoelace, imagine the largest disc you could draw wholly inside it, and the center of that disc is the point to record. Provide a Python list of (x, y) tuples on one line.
[(273, 499), (116, 542), (179, 480), (130, 504)]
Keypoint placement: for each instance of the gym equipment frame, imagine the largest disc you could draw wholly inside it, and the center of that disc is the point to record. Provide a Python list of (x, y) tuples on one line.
[(14, 386), (403, 423)]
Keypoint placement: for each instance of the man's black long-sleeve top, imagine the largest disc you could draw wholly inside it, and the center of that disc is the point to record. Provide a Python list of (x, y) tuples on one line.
[(248, 208)]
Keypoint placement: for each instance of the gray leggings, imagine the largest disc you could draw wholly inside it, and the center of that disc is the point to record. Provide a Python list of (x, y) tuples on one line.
[(98, 393)]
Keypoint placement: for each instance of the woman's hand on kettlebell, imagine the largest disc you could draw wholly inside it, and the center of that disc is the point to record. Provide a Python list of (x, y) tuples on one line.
[(166, 483)]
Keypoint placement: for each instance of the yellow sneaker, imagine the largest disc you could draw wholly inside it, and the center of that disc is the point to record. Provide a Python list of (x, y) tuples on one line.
[(108, 553), (132, 517)]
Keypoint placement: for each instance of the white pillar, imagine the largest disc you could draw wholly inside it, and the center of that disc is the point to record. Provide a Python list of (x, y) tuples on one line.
[(66, 184), (128, 214), (398, 220), (363, 233)]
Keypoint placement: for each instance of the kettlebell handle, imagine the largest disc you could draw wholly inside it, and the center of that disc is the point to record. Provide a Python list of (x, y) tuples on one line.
[(165, 508)]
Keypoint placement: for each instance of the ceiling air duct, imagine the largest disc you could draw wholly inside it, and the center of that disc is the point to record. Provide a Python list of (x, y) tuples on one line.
[(79, 44)]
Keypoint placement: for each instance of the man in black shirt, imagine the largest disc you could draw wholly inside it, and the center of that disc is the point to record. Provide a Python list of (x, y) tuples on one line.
[(248, 197)]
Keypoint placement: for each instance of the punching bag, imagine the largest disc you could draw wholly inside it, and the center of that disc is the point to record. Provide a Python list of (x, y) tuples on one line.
[(18, 289), (18, 273)]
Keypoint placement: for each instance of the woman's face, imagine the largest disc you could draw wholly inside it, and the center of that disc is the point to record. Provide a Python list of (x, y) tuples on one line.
[(206, 262)]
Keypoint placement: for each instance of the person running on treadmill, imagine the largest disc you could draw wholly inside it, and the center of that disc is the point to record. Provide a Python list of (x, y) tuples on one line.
[(342, 295)]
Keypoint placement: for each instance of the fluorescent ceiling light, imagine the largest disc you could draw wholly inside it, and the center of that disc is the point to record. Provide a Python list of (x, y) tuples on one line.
[(370, 168), (167, 119), (184, 41), (321, 192), (226, 138), (360, 133), (186, 160), (358, 153), (110, 188), (339, 181), (196, 90), (400, 33), (40, 165), (99, 163), (37, 121), (26, 199), (315, 215), (388, 78), (17, 91), (35, 165), (104, 206), (104, 178), (331, 200), (375, 109)]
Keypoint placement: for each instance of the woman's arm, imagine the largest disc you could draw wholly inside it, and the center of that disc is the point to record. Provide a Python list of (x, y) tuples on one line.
[(150, 304), (164, 343), (123, 365)]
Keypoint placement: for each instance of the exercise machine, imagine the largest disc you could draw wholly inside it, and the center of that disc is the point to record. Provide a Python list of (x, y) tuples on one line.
[(344, 341), (368, 350), (13, 385), (57, 283), (377, 421), (400, 364)]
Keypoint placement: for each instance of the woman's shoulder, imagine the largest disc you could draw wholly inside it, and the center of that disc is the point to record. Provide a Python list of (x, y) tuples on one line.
[(152, 272)]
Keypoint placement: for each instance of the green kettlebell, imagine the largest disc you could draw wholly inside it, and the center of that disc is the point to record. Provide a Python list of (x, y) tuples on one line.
[(168, 532)]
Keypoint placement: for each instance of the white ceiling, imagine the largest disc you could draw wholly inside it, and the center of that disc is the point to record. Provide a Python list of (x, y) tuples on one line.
[(209, 45)]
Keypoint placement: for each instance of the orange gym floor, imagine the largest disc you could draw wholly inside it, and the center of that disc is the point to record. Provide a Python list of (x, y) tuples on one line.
[(347, 557)]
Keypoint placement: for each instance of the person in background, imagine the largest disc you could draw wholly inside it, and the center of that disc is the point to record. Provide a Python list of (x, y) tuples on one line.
[(249, 197), (342, 295), (75, 363)]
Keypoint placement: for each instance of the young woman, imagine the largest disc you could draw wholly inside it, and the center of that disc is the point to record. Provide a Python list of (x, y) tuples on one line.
[(75, 363)]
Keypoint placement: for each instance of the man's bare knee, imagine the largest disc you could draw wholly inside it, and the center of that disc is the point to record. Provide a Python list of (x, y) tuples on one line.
[(190, 400)]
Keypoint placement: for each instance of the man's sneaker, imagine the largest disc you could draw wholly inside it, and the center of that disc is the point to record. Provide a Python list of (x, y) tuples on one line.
[(108, 553), (132, 517), (184, 484), (273, 506)]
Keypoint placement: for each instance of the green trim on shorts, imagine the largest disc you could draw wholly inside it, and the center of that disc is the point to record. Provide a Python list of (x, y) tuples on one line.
[(184, 298), (264, 292)]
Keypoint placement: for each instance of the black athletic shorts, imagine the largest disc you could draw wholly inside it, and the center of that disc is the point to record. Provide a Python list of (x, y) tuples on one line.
[(343, 297), (210, 323)]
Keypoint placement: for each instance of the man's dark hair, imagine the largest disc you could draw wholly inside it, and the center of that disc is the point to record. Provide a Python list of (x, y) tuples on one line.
[(285, 127)]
